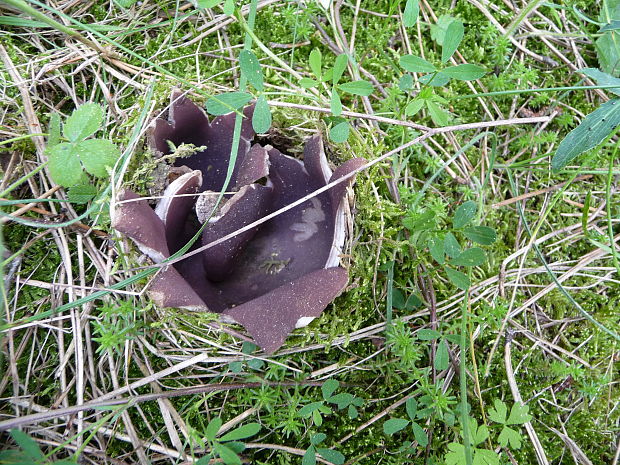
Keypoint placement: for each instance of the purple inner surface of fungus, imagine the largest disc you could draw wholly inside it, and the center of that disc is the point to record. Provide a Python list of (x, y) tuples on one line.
[(271, 278)]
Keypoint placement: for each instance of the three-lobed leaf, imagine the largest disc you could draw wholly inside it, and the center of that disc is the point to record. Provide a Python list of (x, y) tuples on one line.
[(509, 436)]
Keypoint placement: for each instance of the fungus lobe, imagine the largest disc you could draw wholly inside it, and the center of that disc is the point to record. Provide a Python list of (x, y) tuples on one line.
[(270, 279)]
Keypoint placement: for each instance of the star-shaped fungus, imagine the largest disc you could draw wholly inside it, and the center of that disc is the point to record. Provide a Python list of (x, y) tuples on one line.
[(272, 278)]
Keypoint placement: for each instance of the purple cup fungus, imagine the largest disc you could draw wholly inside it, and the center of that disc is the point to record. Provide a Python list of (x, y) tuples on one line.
[(271, 279)]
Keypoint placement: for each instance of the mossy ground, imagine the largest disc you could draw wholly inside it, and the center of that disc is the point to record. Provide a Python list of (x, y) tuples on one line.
[(565, 368)]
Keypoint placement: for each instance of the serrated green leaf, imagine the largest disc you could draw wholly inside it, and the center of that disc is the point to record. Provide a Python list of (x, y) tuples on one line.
[(416, 64), (498, 412), (410, 15), (592, 130), (518, 415), (97, 155), (394, 425), (428, 334), (83, 122), (242, 432), (64, 165), (228, 456), (464, 214), (419, 434), (54, 130), (509, 436), (363, 88), (315, 62), (82, 193), (261, 119), (456, 454), (465, 72), (329, 387), (251, 69), (452, 39), (482, 235), (414, 107), (479, 434), (27, 444), (460, 280), (212, 428), (226, 103), (602, 79), (335, 104), (438, 115), (485, 457), (452, 246), (340, 132), (332, 456), (229, 7), (470, 257), (340, 65), (308, 83), (309, 457), (441, 356)]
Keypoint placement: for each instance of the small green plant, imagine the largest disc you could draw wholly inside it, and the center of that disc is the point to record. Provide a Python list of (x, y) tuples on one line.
[(445, 247), (394, 425), (331, 77), (252, 72), (341, 400), (227, 447), (331, 455), (480, 456), (117, 325), (72, 159), (252, 363), (518, 416), (448, 33)]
